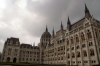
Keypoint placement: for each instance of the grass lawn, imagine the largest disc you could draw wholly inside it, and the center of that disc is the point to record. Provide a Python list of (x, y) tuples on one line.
[(27, 64)]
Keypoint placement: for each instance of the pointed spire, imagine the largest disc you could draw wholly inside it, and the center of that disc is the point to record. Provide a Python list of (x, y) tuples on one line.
[(68, 22), (53, 33), (46, 29), (87, 13), (86, 9), (61, 26)]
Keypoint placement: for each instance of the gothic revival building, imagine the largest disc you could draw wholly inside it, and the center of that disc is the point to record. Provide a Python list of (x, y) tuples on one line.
[(79, 45)]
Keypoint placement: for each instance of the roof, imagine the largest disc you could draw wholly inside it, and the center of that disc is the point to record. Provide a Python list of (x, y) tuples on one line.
[(46, 35), (26, 45), (76, 24)]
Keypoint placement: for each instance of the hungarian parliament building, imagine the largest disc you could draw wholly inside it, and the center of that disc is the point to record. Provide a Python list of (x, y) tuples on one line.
[(78, 44)]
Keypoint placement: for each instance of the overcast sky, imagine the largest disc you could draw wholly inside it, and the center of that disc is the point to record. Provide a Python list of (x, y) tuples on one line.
[(27, 19)]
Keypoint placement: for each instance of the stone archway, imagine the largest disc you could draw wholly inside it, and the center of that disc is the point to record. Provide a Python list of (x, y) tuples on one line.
[(8, 59), (14, 60)]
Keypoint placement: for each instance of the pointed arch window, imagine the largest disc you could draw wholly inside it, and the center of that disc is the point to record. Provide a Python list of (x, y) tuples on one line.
[(67, 42), (77, 39), (89, 34), (84, 53), (82, 36), (78, 54), (73, 55), (92, 52), (68, 56), (9, 50), (72, 41)]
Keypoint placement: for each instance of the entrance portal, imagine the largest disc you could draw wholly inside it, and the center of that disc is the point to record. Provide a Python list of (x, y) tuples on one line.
[(8, 59), (14, 60)]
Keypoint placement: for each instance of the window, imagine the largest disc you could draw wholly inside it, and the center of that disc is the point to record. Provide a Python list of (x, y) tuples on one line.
[(78, 54), (67, 49), (83, 45), (82, 36), (67, 42), (77, 47), (26, 59), (68, 56), (84, 53), (92, 52), (73, 55), (89, 34), (23, 59), (72, 48), (72, 40), (90, 44), (9, 50), (77, 39)]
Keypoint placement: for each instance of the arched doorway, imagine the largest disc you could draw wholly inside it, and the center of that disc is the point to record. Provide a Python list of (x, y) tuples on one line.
[(8, 59), (14, 60)]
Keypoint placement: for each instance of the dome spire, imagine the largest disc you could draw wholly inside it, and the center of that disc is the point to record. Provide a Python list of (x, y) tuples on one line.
[(46, 29)]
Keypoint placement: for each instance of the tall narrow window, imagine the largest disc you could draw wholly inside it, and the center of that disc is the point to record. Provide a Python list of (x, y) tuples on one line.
[(73, 55), (85, 53), (78, 54), (77, 39), (72, 40), (89, 34), (82, 36), (92, 52), (67, 42)]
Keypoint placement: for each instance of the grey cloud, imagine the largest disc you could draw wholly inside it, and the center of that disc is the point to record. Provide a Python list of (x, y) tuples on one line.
[(50, 12)]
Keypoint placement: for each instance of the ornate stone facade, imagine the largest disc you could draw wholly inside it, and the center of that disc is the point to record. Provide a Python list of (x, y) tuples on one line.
[(79, 45)]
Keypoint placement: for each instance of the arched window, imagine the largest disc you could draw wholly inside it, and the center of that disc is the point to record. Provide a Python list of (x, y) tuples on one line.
[(90, 44), (73, 55), (89, 34), (67, 42), (68, 56), (9, 50), (82, 36), (84, 53), (77, 39), (77, 47), (92, 52), (83, 45), (72, 41), (78, 54)]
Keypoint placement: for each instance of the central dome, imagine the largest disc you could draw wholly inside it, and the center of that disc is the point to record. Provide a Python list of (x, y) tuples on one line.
[(46, 34)]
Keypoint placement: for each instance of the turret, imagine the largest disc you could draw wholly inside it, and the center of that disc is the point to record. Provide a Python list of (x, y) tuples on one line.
[(87, 13), (61, 26), (53, 34), (68, 24)]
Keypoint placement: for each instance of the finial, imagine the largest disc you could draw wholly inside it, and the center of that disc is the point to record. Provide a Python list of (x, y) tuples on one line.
[(68, 21), (46, 29), (86, 9)]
